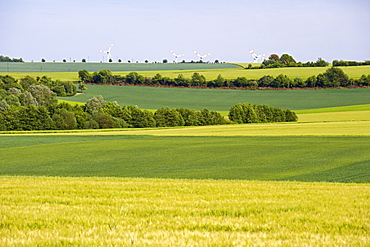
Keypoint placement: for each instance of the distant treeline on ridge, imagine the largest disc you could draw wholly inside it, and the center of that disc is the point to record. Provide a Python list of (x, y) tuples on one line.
[(332, 78)]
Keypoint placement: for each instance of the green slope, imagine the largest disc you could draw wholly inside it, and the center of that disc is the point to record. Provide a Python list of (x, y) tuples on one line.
[(223, 99), (339, 159)]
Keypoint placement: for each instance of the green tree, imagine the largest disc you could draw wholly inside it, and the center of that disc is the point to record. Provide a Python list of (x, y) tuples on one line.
[(166, 117), (198, 80), (43, 95), (82, 86), (190, 116), (105, 121), (282, 81), (84, 76), (181, 81), (34, 118), (219, 81), (27, 81), (64, 120), (4, 106), (95, 104), (288, 60), (321, 63), (265, 81), (336, 77)]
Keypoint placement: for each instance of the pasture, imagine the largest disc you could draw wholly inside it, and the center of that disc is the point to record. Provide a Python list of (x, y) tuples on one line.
[(54, 211)]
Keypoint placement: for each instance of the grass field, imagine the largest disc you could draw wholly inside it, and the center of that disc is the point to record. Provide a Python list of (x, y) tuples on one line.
[(41, 211), (224, 99)]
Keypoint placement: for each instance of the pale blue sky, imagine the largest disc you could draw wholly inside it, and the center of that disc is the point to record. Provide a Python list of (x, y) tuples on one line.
[(143, 29)]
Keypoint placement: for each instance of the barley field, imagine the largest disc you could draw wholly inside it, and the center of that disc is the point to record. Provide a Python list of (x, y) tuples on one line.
[(54, 211)]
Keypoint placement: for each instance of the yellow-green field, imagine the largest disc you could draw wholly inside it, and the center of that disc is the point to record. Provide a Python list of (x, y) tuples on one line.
[(51, 211), (354, 72)]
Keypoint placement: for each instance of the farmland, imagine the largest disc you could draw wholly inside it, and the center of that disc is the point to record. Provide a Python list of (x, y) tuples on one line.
[(222, 100), (75, 67), (204, 157), (280, 184), (54, 211), (68, 71)]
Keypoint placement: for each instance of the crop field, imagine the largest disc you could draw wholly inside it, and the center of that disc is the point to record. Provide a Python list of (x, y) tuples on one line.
[(301, 158), (75, 67), (276, 184), (68, 71), (54, 211), (224, 99)]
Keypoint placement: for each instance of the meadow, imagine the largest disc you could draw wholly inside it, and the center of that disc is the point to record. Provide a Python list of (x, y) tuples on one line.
[(55, 211)]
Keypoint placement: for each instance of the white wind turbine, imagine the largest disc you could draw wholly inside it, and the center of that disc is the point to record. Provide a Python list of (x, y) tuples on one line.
[(109, 56), (200, 56), (176, 56), (256, 57)]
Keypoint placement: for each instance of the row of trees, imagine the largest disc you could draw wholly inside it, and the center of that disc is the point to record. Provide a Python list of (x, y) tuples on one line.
[(286, 60), (350, 63), (99, 114), (8, 59), (250, 113), (60, 88), (332, 77), (36, 107)]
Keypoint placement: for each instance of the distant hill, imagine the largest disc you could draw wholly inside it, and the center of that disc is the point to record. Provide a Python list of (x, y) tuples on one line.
[(75, 67)]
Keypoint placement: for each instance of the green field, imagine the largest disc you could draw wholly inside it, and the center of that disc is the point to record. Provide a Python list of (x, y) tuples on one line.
[(75, 67), (41, 211), (224, 99), (310, 158)]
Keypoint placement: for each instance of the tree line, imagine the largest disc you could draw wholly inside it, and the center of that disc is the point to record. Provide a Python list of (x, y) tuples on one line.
[(350, 63), (60, 88), (333, 77), (8, 59), (286, 60), (26, 106)]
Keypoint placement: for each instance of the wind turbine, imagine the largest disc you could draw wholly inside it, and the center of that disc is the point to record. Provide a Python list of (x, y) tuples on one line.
[(200, 56), (255, 56), (176, 56), (109, 56)]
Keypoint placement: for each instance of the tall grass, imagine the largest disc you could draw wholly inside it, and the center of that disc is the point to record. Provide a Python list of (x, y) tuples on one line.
[(40, 211)]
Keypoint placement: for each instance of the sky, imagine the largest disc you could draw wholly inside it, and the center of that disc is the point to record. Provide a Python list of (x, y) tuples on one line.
[(148, 29)]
